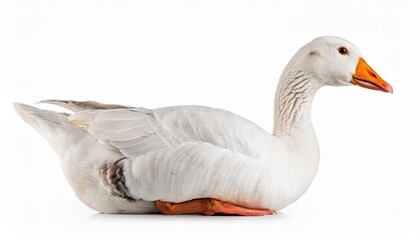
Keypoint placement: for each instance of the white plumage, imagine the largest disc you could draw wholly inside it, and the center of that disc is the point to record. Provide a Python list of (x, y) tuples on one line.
[(181, 153)]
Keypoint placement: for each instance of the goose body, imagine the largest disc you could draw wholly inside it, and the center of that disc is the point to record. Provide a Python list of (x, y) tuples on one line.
[(121, 159)]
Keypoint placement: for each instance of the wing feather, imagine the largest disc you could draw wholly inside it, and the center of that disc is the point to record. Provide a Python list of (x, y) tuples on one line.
[(127, 130)]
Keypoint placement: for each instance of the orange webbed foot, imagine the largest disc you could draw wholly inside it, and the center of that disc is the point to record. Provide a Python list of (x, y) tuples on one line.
[(208, 207)]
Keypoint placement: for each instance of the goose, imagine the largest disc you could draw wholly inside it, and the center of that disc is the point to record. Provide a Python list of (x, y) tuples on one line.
[(197, 159)]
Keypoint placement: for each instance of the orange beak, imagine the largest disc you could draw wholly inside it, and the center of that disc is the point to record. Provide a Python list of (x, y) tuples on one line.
[(366, 77)]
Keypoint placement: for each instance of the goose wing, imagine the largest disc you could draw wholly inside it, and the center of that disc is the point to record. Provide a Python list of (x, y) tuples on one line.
[(138, 131)]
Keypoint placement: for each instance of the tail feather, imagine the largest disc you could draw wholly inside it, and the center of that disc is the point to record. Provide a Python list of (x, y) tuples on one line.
[(31, 114), (53, 126)]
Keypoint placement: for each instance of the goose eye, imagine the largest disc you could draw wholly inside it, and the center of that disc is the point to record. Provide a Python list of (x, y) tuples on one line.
[(343, 51)]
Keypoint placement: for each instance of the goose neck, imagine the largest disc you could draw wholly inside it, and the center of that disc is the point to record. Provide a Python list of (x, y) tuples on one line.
[(294, 95)]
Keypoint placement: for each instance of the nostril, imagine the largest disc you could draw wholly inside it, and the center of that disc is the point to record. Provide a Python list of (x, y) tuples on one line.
[(373, 74)]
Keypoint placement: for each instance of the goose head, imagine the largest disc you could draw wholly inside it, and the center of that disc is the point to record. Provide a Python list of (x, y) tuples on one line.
[(337, 62)]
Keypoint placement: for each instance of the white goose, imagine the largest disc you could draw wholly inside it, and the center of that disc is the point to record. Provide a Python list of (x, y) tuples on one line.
[(193, 159)]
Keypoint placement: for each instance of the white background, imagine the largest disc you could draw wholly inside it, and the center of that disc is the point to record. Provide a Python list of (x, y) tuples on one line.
[(226, 54)]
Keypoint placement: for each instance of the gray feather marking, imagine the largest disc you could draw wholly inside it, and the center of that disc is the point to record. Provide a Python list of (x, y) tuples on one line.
[(113, 179), (77, 106)]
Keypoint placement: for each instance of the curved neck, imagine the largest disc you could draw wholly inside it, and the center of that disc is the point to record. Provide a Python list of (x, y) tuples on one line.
[(292, 106)]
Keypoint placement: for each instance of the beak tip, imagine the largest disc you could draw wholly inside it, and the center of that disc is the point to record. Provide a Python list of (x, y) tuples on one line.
[(389, 89)]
